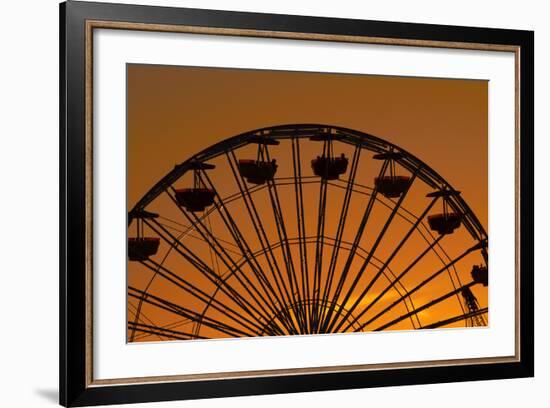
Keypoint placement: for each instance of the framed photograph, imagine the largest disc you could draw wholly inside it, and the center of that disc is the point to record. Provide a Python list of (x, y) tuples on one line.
[(256, 203)]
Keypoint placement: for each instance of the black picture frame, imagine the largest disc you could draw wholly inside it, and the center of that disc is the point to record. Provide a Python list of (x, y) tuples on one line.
[(75, 388)]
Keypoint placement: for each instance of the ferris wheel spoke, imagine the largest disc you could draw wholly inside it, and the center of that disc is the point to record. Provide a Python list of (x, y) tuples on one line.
[(425, 306), (286, 253), (161, 331), (443, 258), (340, 230), (371, 253), (266, 247), (458, 318), (171, 326), (397, 280), (207, 272), (161, 335), (421, 284), (401, 292), (189, 314), (301, 227), (202, 296), (398, 287), (319, 246), (213, 257), (139, 317), (251, 260), (415, 320), (285, 248), (388, 261), (230, 247), (353, 250)]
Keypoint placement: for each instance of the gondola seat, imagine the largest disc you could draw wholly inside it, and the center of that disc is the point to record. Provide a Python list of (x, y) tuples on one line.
[(329, 168), (392, 186), (256, 171), (444, 223), (195, 199), (140, 249), (480, 275)]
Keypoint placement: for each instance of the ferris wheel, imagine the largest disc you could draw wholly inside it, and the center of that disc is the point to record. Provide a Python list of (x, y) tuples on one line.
[(303, 229)]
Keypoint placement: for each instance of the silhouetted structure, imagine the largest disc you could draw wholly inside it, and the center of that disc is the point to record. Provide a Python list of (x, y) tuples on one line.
[(140, 248), (262, 169), (288, 271), (480, 274), (392, 185), (475, 316), (327, 166), (197, 198), (447, 221)]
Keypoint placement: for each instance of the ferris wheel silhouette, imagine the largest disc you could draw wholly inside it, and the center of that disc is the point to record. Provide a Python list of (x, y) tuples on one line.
[(302, 229)]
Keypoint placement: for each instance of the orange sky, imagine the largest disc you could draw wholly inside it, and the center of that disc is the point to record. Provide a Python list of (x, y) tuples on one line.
[(174, 112)]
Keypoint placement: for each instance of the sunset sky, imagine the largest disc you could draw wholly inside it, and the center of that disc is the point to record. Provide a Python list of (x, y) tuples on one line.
[(175, 112)]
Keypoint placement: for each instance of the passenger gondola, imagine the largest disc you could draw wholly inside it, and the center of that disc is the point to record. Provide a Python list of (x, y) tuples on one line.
[(480, 275), (392, 185), (198, 197), (141, 247), (449, 220), (263, 168), (327, 165)]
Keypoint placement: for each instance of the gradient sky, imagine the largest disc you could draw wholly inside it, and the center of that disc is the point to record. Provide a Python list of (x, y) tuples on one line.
[(174, 112), (443, 122)]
